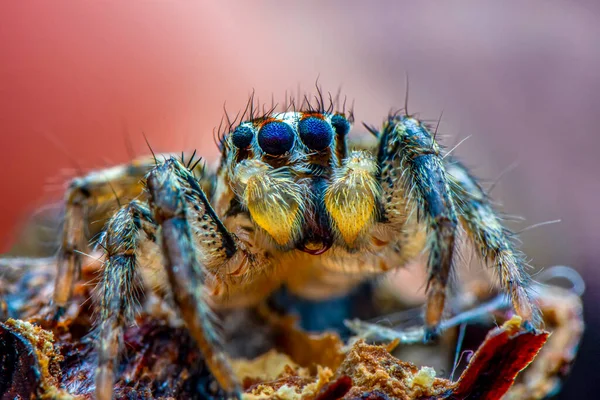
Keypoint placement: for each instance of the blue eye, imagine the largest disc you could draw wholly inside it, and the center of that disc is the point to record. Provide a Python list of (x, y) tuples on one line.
[(276, 138), (315, 133), (340, 124), (242, 136)]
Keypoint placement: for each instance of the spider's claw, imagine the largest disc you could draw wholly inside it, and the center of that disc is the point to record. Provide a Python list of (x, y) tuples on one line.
[(528, 326), (59, 311), (432, 334)]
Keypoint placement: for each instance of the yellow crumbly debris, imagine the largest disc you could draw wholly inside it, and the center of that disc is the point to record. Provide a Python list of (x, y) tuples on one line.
[(48, 360), (266, 367), (423, 378), (291, 387)]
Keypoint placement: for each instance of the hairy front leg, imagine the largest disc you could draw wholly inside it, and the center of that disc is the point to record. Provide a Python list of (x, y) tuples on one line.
[(122, 239), (415, 188), (98, 189), (494, 242), (197, 248)]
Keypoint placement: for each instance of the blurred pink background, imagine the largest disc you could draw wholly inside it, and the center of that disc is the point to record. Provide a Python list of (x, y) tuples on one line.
[(79, 78)]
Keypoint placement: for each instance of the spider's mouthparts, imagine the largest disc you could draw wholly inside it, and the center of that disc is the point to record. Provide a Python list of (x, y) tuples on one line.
[(315, 248), (317, 234)]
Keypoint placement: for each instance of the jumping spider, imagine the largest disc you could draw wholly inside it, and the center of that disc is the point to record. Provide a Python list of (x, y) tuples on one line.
[(293, 202)]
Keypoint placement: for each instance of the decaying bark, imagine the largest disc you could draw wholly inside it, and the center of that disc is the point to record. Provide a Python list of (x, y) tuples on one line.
[(40, 359)]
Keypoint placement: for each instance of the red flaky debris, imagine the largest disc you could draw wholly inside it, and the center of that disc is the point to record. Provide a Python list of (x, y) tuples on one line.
[(336, 389), (505, 352)]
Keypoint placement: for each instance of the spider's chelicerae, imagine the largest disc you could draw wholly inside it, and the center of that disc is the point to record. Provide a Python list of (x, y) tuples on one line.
[(293, 202)]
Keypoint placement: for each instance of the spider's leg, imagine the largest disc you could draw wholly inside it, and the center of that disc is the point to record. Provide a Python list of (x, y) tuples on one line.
[(99, 188), (123, 236), (174, 197), (494, 242), (413, 179)]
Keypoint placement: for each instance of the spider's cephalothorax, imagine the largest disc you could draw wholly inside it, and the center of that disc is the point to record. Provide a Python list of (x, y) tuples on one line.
[(293, 175), (292, 203)]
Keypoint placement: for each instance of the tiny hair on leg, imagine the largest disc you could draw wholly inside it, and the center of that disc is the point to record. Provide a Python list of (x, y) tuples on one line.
[(98, 189), (494, 242), (124, 233)]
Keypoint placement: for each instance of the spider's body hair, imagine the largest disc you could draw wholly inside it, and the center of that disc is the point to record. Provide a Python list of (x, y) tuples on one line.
[(292, 203)]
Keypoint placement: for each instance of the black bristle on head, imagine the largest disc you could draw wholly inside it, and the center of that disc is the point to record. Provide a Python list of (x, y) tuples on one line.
[(371, 129)]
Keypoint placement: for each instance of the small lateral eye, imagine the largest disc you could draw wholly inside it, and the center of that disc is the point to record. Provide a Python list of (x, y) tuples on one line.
[(316, 133), (340, 124), (276, 138), (242, 136)]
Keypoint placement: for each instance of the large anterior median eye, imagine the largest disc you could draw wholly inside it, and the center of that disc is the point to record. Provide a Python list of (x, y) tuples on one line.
[(316, 133), (276, 138)]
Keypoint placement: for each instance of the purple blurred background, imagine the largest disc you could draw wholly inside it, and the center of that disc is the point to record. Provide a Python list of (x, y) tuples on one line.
[(520, 77)]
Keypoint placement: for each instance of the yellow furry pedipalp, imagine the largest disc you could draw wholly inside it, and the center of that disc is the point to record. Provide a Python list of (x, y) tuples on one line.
[(275, 205), (352, 197)]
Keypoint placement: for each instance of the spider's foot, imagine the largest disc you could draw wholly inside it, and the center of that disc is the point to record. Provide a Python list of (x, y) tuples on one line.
[(432, 334), (528, 326), (57, 313), (104, 383)]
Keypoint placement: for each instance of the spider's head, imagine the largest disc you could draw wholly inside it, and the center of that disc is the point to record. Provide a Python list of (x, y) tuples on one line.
[(279, 167)]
